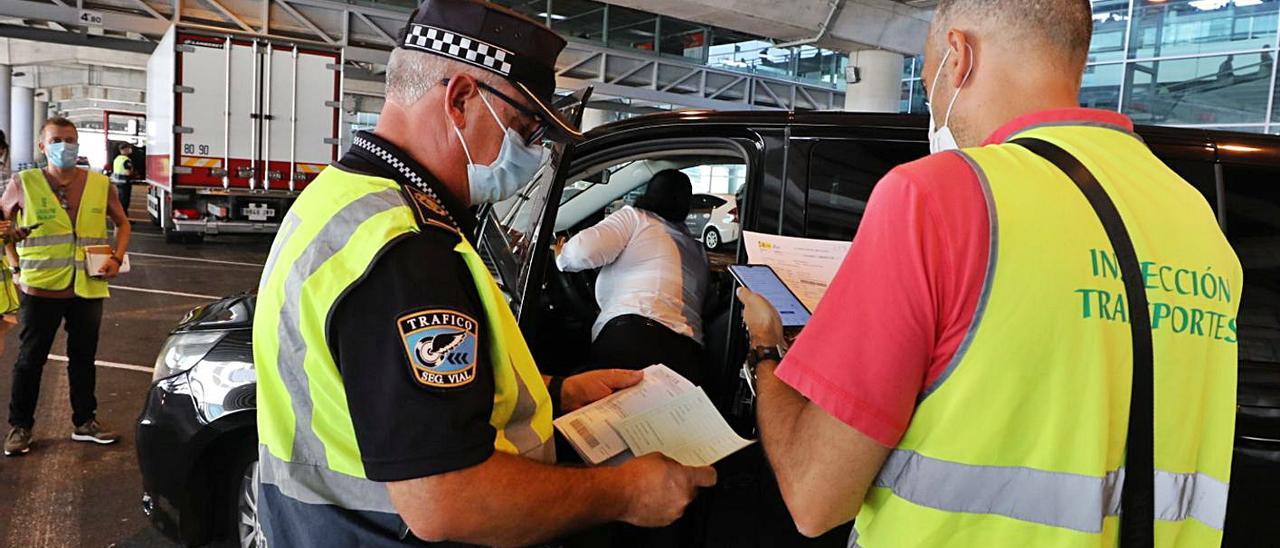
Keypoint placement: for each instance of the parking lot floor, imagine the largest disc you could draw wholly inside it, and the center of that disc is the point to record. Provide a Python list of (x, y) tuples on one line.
[(71, 494)]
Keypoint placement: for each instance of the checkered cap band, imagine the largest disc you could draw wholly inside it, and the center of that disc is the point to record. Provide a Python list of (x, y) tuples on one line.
[(462, 48)]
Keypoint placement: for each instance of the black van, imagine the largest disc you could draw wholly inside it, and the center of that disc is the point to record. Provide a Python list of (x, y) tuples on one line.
[(802, 174)]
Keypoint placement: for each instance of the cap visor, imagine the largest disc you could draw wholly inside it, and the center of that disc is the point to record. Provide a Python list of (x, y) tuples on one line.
[(559, 127)]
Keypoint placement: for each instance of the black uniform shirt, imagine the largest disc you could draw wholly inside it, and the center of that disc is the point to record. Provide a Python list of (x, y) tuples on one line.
[(409, 312)]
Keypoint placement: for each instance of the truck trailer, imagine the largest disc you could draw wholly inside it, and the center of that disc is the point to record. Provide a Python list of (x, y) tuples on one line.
[(236, 128)]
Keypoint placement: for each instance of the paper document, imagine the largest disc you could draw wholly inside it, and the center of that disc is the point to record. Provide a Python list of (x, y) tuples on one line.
[(805, 265), (688, 429), (596, 434), (590, 429), (95, 261)]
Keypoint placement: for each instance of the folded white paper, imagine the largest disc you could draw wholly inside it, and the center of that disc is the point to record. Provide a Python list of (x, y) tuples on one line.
[(95, 261), (664, 413)]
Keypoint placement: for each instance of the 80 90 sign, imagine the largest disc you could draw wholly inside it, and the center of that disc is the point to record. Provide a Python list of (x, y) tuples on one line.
[(192, 148)]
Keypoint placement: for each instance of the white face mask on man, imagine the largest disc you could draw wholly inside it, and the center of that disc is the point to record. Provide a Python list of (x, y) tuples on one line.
[(515, 166), (940, 138)]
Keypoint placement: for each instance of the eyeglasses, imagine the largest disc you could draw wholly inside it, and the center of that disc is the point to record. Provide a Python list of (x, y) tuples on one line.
[(539, 132)]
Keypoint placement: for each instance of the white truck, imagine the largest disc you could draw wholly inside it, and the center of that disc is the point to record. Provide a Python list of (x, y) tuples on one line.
[(236, 128)]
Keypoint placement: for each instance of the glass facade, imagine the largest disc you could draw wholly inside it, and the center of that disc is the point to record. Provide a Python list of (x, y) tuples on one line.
[(629, 29), (1192, 63)]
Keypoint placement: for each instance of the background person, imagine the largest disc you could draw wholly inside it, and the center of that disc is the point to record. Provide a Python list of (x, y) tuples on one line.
[(397, 398), (4, 157), (653, 280), (960, 384), (69, 208), (122, 173)]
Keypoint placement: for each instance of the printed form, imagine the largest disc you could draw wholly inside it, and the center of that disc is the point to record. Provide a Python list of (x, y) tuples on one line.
[(664, 413), (806, 265)]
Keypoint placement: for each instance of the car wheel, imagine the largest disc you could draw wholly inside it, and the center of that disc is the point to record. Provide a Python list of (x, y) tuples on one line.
[(711, 239), (249, 530)]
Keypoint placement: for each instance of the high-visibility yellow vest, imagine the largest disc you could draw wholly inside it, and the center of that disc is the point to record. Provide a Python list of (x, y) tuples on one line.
[(330, 237), (53, 257), (1021, 441), (9, 301), (118, 169)]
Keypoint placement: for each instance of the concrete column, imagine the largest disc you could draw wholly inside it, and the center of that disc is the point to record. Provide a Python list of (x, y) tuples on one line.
[(880, 87), (6, 79), (594, 117), (21, 119), (40, 114)]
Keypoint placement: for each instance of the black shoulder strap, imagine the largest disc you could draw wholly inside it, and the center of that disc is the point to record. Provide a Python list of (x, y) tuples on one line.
[(1137, 501), (428, 210)]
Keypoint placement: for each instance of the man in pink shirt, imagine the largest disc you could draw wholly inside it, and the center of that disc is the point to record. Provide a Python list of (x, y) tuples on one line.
[(899, 310)]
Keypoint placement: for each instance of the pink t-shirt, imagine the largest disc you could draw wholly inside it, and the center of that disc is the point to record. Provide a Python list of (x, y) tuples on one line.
[(905, 297)]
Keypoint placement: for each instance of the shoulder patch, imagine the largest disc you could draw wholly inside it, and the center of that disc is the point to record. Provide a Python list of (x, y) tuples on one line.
[(442, 347)]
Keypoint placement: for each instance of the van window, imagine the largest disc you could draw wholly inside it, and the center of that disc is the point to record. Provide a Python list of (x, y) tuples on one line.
[(1253, 227), (841, 176)]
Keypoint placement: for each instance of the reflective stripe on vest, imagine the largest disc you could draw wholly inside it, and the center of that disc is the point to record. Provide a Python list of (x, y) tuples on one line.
[(332, 235), (1059, 499), (52, 257), (1020, 442)]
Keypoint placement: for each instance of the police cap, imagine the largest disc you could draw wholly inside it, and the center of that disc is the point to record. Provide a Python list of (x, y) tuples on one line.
[(495, 39)]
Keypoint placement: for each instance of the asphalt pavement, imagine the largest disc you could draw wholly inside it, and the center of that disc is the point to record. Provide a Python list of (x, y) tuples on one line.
[(71, 494)]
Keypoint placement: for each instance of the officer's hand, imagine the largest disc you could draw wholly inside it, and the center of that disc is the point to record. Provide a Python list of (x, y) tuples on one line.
[(586, 388), (763, 322), (661, 488)]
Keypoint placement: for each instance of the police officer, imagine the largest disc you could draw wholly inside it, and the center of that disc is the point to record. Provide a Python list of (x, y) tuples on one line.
[(397, 399)]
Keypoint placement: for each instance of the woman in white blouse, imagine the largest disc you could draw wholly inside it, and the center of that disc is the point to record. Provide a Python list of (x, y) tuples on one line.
[(652, 283)]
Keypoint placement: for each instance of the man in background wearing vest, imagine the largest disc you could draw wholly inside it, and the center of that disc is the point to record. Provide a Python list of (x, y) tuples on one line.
[(397, 399), (122, 174), (61, 209), (966, 379)]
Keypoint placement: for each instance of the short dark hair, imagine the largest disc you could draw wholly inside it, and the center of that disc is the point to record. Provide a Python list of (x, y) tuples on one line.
[(57, 121), (668, 195), (1065, 24)]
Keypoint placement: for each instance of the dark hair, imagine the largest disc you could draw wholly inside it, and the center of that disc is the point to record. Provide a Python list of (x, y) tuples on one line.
[(668, 196), (4, 141)]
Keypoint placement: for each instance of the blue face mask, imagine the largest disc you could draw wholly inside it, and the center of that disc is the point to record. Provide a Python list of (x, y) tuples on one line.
[(514, 167), (62, 155)]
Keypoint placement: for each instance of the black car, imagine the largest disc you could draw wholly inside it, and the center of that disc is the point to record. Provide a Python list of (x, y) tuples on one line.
[(804, 174)]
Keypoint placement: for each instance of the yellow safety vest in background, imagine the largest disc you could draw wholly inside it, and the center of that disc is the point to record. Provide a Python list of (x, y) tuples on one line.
[(329, 239), (52, 257), (118, 170), (1021, 441)]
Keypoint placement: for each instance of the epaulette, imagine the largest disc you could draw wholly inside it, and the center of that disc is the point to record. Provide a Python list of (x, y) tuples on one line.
[(428, 210)]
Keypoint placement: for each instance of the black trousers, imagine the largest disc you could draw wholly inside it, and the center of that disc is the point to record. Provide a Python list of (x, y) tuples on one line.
[(125, 190), (636, 342), (40, 318)]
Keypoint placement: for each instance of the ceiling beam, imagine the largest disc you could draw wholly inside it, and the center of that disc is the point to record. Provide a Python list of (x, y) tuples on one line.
[(76, 39)]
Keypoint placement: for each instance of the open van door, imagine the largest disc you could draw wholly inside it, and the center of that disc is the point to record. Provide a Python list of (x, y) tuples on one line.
[(515, 235)]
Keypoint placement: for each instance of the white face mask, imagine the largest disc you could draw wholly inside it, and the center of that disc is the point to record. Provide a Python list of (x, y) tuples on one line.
[(515, 166), (941, 139)]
